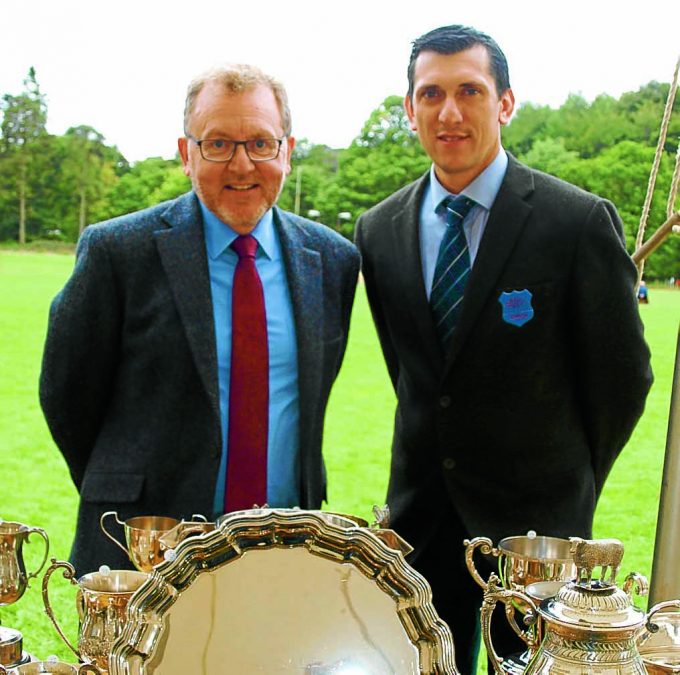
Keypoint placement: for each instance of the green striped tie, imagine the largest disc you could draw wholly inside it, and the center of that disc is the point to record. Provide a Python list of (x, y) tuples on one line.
[(452, 269)]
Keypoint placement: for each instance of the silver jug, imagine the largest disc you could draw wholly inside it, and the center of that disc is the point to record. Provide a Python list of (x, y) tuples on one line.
[(13, 576)]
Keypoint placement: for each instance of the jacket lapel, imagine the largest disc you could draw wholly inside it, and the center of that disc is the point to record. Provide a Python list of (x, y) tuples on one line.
[(181, 246), (409, 270), (304, 273), (505, 224)]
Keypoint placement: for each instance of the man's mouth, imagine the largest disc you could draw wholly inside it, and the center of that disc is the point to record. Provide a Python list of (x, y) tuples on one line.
[(451, 137), (241, 188)]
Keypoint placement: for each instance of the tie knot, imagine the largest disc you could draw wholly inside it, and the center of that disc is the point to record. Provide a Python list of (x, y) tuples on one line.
[(457, 209), (245, 246)]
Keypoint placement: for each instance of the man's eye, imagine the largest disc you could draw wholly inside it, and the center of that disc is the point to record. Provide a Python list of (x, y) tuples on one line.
[(218, 143), (431, 92), (470, 91)]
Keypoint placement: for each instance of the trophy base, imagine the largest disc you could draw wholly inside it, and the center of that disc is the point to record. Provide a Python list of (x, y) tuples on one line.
[(11, 648)]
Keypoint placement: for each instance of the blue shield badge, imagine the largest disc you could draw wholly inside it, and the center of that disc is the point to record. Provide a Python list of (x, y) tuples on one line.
[(517, 309)]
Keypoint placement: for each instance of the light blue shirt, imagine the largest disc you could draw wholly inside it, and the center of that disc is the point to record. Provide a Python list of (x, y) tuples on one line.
[(482, 189), (283, 442)]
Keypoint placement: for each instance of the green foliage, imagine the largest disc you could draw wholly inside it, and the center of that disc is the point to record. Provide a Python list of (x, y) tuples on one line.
[(62, 183), (24, 116), (549, 155), (588, 129), (314, 167), (608, 147), (383, 158), (21, 148), (621, 174), (135, 189), (174, 184)]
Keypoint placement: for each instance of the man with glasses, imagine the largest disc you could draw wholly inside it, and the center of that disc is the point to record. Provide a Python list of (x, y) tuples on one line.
[(190, 357)]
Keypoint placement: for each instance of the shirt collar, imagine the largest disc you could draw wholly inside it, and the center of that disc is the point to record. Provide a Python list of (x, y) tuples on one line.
[(219, 235), (482, 189)]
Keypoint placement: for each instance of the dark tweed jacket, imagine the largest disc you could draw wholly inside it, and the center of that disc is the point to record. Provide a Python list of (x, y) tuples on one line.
[(129, 382)]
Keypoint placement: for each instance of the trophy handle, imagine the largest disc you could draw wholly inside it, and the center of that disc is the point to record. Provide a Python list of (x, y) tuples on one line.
[(492, 595), (485, 545), (637, 582), (80, 605), (69, 573), (112, 538), (89, 668), (199, 517), (667, 604), (43, 534)]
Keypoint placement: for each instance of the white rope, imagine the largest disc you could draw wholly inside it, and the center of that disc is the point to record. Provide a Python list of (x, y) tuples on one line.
[(670, 207), (655, 168)]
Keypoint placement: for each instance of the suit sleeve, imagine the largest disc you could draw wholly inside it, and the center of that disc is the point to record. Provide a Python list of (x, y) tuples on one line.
[(374, 301), (351, 273), (612, 355), (80, 353)]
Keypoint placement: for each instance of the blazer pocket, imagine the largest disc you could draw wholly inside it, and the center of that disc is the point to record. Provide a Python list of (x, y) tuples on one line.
[(122, 488)]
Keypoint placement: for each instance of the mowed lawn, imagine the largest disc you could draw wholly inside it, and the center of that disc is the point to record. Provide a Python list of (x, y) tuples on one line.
[(35, 487)]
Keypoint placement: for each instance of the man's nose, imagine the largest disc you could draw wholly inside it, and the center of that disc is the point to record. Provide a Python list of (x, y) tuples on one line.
[(240, 161), (450, 112)]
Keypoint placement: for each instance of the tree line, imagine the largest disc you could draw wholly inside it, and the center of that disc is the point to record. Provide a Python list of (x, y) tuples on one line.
[(53, 186)]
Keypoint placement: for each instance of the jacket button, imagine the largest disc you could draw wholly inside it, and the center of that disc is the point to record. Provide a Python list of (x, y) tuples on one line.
[(445, 401), (449, 463)]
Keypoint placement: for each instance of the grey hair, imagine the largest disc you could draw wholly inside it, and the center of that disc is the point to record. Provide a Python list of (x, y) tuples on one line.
[(237, 78)]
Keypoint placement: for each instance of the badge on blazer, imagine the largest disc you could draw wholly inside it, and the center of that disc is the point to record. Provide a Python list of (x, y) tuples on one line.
[(517, 309)]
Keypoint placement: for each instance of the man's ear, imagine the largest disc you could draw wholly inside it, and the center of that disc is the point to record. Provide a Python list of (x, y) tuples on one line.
[(408, 106), (290, 141), (182, 146), (506, 107)]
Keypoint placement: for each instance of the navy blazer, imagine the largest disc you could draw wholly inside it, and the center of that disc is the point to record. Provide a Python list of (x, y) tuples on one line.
[(517, 426), (129, 382)]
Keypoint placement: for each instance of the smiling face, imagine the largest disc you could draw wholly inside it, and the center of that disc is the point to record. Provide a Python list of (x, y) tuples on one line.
[(239, 192), (458, 113)]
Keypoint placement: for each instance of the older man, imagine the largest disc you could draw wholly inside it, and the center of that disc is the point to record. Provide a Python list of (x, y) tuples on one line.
[(504, 302), (190, 356)]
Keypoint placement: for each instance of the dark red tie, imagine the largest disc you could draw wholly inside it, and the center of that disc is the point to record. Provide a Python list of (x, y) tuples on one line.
[(246, 483)]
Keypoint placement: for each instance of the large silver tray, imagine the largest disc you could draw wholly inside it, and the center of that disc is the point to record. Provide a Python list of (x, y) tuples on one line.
[(284, 591)]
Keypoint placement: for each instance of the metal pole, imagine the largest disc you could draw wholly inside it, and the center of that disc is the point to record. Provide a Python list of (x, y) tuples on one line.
[(298, 185), (656, 239), (665, 583)]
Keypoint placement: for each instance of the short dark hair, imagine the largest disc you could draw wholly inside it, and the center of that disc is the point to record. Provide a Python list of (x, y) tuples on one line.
[(457, 38)]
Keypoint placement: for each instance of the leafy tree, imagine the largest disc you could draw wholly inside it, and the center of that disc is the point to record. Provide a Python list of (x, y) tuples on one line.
[(174, 184), (137, 188), (621, 174), (382, 159), (23, 136), (387, 124), (528, 125), (549, 155), (90, 166), (314, 167)]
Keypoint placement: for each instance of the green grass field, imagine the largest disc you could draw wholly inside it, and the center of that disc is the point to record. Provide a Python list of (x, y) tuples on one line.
[(35, 487)]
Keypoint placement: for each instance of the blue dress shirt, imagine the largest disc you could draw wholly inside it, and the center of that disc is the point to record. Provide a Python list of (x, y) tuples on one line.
[(432, 226), (283, 446)]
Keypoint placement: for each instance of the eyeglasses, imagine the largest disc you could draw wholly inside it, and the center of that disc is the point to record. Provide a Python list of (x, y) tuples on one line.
[(222, 150)]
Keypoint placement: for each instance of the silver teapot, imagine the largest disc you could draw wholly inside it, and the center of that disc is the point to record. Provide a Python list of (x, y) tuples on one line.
[(589, 626)]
